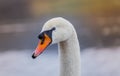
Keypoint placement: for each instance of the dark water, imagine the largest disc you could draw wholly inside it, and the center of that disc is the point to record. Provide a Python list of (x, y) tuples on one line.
[(25, 40)]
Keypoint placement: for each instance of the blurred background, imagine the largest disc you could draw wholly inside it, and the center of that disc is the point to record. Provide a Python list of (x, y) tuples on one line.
[(97, 23)]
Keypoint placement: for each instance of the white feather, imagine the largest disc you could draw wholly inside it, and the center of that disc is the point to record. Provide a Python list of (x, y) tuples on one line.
[(69, 49)]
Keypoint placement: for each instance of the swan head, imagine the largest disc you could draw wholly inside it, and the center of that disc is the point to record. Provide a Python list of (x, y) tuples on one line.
[(54, 31)]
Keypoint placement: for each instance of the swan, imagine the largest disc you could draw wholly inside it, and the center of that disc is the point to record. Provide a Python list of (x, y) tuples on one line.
[(61, 31)]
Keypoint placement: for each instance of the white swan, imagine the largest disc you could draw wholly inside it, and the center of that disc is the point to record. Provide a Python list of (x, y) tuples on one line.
[(61, 31)]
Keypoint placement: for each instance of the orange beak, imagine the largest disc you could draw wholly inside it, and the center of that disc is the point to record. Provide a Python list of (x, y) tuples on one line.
[(42, 46)]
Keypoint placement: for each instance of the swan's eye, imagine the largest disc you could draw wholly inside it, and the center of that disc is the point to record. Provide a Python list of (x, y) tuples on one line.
[(53, 28)]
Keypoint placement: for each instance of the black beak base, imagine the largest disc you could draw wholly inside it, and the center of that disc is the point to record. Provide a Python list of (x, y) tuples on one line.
[(41, 36)]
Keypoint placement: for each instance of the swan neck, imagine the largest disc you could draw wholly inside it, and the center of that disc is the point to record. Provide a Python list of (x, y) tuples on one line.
[(69, 52)]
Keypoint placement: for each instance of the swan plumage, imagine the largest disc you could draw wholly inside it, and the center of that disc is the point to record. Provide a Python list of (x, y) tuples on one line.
[(61, 31)]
